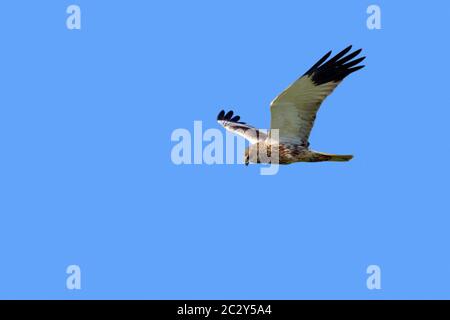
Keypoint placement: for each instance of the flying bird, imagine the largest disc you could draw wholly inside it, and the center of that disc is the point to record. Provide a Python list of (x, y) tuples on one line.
[(293, 113)]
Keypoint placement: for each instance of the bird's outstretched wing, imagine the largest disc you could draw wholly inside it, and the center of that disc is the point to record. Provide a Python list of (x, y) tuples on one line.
[(232, 123), (293, 112)]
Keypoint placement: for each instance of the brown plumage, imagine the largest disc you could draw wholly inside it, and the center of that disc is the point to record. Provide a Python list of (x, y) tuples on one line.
[(287, 153)]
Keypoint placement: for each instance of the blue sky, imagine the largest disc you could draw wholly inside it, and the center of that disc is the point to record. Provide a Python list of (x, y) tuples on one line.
[(86, 176)]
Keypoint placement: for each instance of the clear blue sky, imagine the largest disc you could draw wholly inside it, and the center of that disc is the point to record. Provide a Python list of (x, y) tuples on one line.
[(86, 176)]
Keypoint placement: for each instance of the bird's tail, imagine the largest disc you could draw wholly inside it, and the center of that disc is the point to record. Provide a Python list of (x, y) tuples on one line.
[(334, 157)]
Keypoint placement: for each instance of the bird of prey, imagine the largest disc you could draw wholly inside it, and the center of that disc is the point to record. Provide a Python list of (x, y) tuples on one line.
[(293, 113)]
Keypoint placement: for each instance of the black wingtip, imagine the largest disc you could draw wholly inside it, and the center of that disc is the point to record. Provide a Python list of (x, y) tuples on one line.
[(336, 68), (349, 47), (357, 68), (228, 115), (353, 62), (341, 54), (318, 63), (222, 116)]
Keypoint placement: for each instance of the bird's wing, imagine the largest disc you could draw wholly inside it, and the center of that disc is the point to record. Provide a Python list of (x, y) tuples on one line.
[(232, 123), (293, 112)]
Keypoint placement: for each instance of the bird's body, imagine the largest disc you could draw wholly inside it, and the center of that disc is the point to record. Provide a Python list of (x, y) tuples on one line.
[(293, 113), (288, 153)]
